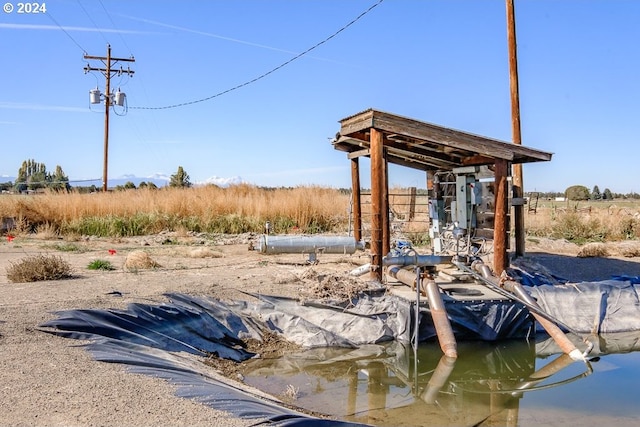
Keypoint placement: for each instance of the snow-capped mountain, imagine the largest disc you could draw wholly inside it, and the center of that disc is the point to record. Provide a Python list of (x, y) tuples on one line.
[(222, 182)]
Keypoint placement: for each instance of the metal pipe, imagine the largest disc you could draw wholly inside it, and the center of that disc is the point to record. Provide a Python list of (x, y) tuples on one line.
[(405, 276), (436, 306), (308, 244), (441, 320), (517, 292), (417, 260), (359, 271), (552, 329), (416, 326)]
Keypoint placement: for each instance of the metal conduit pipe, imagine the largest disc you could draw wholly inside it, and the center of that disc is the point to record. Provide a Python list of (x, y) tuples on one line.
[(552, 329), (407, 277), (308, 244), (441, 320), (417, 260), (436, 305)]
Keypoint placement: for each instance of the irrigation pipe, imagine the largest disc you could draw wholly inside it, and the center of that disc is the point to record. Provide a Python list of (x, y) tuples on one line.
[(533, 308)]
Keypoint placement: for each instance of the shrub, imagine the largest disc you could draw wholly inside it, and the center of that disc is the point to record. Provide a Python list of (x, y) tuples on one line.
[(577, 192), (100, 264), (39, 267), (576, 229)]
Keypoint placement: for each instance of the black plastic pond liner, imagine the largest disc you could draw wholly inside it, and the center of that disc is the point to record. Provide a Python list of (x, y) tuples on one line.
[(195, 383), (168, 327), (156, 339), (153, 340), (608, 306)]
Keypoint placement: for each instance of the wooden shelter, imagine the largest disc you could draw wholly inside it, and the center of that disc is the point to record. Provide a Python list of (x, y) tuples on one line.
[(389, 138)]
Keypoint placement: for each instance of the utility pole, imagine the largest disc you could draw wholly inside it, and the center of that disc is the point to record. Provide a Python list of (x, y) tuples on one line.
[(107, 70), (518, 189)]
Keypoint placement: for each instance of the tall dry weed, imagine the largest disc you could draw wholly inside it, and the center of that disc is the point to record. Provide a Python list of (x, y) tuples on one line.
[(591, 223), (236, 209)]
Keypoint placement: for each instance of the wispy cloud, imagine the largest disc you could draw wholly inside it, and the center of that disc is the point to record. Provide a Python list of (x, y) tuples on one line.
[(41, 107), (9, 26), (205, 33), (218, 36)]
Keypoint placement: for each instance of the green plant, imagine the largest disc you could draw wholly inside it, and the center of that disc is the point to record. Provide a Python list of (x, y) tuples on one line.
[(574, 228), (100, 264), (419, 238), (39, 267), (67, 247)]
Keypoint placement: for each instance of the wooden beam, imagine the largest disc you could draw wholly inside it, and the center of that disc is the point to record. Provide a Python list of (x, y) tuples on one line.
[(359, 153), (500, 260), (357, 122), (386, 227), (355, 199), (377, 185), (428, 132)]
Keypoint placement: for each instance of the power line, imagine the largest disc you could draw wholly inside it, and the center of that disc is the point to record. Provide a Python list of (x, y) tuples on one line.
[(65, 31), (114, 26), (93, 22), (273, 70)]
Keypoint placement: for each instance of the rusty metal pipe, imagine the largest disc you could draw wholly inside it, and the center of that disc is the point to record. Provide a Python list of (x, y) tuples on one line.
[(441, 320), (536, 311), (552, 329), (436, 306), (407, 277)]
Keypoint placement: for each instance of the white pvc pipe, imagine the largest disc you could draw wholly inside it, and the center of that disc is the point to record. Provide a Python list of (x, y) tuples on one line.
[(363, 269)]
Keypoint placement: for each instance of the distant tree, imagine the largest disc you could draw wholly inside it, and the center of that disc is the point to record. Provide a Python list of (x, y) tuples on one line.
[(6, 186), (143, 184), (180, 178), (129, 185), (152, 186), (577, 192), (59, 181), (595, 193), (33, 175), (607, 194)]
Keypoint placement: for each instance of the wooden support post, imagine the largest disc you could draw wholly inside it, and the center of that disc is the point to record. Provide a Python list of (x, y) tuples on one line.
[(355, 199), (517, 183), (412, 203), (500, 260), (386, 223), (377, 173)]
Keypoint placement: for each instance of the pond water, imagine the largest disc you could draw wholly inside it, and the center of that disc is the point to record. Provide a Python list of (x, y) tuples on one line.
[(510, 383)]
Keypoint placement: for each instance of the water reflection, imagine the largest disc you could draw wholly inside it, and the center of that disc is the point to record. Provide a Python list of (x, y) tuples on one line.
[(394, 385)]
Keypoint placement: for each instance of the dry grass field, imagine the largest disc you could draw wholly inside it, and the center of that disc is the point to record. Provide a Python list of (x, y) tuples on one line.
[(233, 210), (244, 208), (584, 222)]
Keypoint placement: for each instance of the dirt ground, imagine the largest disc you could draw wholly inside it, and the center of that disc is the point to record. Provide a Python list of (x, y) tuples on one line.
[(52, 381)]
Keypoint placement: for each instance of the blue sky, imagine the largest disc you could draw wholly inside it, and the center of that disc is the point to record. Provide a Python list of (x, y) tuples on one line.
[(440, 61)]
